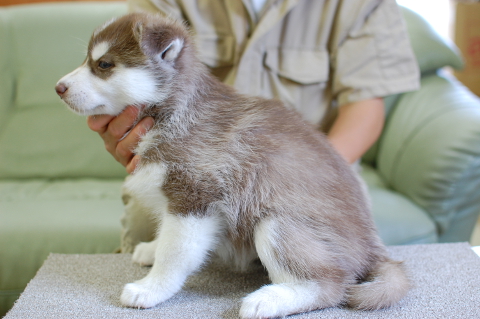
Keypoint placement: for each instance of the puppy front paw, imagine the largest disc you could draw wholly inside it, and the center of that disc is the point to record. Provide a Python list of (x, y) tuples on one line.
[(144, 253), (140, 295)]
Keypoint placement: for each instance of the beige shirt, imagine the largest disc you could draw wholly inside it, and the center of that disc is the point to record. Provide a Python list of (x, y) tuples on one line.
[(315, 55)]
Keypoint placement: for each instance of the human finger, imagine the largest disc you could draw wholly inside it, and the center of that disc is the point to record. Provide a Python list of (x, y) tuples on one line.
[(99, 123), (117, 129), (125, 147)]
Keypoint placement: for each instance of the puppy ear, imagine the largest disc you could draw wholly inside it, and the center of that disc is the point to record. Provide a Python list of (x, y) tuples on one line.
[(138, 31), (172, 51), (159, 41)]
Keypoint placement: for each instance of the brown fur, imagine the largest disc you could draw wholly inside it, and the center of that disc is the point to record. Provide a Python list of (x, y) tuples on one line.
[(254, 159)]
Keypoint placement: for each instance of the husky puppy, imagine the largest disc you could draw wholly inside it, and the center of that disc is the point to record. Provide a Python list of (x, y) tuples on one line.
[(241, 176)]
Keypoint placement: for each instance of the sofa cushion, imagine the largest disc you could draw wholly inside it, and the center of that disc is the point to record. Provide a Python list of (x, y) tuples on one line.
[(399, 221), (430, 152)]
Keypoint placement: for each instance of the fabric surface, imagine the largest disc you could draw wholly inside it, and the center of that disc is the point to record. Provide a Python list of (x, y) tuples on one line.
[(445, 285)]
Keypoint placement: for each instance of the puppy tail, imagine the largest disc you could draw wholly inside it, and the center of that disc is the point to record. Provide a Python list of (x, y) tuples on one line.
[(386, 285)]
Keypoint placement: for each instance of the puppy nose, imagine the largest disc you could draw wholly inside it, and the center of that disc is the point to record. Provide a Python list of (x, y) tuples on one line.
[(60, 88)]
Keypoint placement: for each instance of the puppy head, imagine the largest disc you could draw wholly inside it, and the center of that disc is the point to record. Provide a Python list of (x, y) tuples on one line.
[(130, 61)]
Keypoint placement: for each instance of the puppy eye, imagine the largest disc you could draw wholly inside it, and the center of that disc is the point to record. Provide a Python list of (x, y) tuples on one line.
[(104, 65)]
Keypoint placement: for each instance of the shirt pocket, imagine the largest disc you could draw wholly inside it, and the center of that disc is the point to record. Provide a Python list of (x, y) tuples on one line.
[(305, 67), (300, 79)]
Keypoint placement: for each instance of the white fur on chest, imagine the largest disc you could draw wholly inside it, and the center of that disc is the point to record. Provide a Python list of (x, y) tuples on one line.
[(146, 185)]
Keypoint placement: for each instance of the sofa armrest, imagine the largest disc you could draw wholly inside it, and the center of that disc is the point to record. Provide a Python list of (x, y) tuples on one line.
[(430, 152)]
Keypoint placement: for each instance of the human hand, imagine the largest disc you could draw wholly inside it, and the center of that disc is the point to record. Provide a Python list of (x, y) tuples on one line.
[(119, 134)]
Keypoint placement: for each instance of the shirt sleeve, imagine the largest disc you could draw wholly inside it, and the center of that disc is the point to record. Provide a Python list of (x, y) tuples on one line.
[(371, 54)]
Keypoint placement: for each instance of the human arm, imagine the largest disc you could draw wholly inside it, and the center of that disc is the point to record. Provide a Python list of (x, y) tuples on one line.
[(365, 66), (357, 127), (112, 130)]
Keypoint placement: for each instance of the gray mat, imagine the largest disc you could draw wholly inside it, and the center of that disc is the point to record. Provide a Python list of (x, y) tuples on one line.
[(446, 285)]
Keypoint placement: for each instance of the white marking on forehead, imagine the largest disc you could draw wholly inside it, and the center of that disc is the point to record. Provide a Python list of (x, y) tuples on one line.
[(99, 50)]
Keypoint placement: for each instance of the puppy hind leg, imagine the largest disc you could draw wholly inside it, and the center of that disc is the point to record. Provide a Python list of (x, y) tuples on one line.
[(288, 294), (181, 248)]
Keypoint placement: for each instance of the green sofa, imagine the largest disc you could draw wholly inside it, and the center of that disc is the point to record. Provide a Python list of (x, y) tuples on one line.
[(60, 190)]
